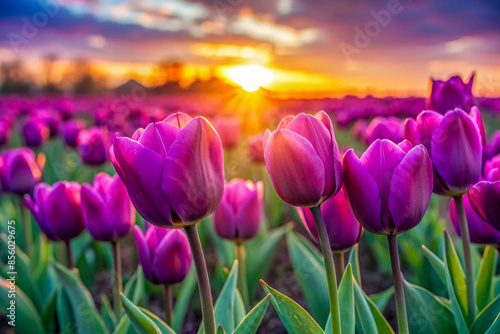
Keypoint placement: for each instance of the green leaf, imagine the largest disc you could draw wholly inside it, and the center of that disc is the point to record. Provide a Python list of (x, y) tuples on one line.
[(220, 330), (87, 319), (486, 318), (251, 322), (484, 282), (184, 298), (383, 326), (354, 261), (346, 300), (427, 313), (381, 299), (369, 317), (295, 319), (495, 328), (27, 319), (107, 313), (164, 328), (64, 313), (141, 322), (455, 282), (311, 276), (436, 263), (239, 307)]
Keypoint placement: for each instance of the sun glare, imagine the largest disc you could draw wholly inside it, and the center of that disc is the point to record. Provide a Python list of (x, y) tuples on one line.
[(251, 77)]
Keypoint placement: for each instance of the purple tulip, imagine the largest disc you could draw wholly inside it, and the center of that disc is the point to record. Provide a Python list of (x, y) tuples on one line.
[(491, 170), (5, 127), (390, 187), (385, 128), (174, 172), (480, 231), (344, 231), (35, 132), (57, 210), (485, 200), (70, 131), (256, 147), (93, 145), (239, 215), (107, 211), (455, 144), (50, 118), (229, 130), (164, 254), (451, 94), (303, 159), (21, 170), (492, 146), (358, 130)]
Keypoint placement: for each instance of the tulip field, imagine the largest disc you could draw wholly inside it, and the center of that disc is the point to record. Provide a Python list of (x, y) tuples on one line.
[(334, 215)]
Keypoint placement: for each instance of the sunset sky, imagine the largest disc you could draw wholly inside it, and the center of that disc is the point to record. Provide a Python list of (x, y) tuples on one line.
[(317, 45)]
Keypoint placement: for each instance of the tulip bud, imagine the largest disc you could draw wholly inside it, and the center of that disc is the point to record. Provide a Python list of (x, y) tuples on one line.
[(70, 131), (35, 133), (256, 147), (239, 214), (303, 159), (388, 189), (107, 211), (390, 128), (484, 198), (21, 171), (451, 94), (344, 231), (164, 254), (57, 210), (174, 171), (455, 144), (93, 145), (480, 231)]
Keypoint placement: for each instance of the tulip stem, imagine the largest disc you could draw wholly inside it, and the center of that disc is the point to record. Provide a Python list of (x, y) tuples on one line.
[(207, 308), (242, 272), (469, 270), (168, 304), (338, 258), (329, 267), (398, 285), (28, 234), (117, 278), (69, 254)]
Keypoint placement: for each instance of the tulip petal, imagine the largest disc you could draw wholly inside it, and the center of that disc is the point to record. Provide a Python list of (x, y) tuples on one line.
[(296, 171), (485, 200), (158, 137), (193, 177), (457, 151), (362, 193), (172, 259), (63, 211), (285, 121), (475, 115), (144, 253), (141, 171), (224, 221), (428, 121), (94, 214), (179, 120), (411, 189), (249, 213), (411, 132), (405, 145)]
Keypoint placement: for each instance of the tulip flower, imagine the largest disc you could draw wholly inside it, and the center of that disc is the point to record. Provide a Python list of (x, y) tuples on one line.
[(303, 161), (480, 231), (93, 146), (5, 132), (57, 210), (385, 128), (229, 130), (455, 144), (389, 190), (35, 133), (256, 148), (451, 94), (358, 130), (492, 146), (70, 131), (174, 174), (21, 170), (50, 118), (238, 218), (165, 257)]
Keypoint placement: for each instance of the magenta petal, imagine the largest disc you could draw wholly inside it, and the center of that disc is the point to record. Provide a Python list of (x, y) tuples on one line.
[(249, 213), (475, 115), (457, 151), (179, 120), (485, 200), (144, 253), (172, 260), (193, 178), (411, 189), (427, 121), (141, 171), (296, 171), (405, 145), (362, 193), (158, 137), (411, 132), (94, 214), (224, 221), (284, 122)]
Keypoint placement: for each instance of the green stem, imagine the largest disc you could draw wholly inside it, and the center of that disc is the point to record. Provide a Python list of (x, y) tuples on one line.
[(28, 233), (329, 266), (117, 278), (398, 285), (338, 260), (207, 307), (69, 254), (469, 270), (242, 272), (168, 304)]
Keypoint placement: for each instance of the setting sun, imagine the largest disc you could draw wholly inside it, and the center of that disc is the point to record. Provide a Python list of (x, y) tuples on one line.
[(251, 77)]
